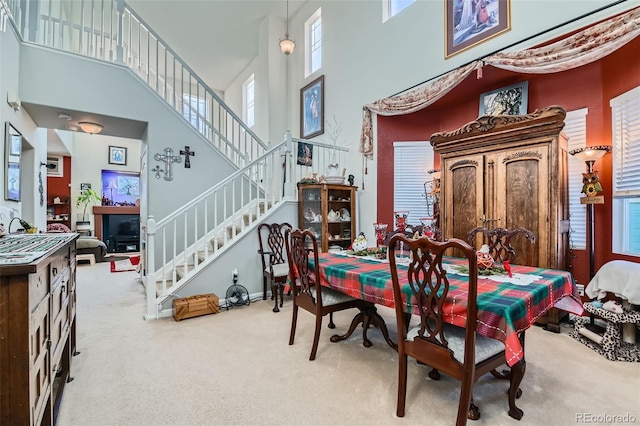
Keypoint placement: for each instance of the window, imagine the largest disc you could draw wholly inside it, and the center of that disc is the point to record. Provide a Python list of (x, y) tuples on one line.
[(196, 111), (313, 43), (249, 101), (625, 119), (410, 165), (391, 8), (575, 127)]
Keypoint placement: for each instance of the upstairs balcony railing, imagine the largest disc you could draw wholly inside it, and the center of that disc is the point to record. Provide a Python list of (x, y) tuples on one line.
[(109, 30)]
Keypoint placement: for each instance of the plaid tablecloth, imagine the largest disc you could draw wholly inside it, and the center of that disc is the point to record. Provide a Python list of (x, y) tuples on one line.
[(504, 308)]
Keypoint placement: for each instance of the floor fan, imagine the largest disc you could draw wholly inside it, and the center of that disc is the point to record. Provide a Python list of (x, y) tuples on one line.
[(237, 295)]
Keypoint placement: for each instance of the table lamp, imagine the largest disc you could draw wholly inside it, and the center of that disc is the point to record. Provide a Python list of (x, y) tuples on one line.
[(112, 185)]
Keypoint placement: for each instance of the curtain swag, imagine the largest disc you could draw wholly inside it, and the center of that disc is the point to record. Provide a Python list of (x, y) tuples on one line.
[(582, 48)]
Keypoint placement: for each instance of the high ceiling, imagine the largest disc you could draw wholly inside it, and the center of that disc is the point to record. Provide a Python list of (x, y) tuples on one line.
[(216, 38)]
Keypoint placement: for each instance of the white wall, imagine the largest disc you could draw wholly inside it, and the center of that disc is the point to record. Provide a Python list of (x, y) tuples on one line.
[(365, 60), (77, 83), (34, 144), (90, 157)]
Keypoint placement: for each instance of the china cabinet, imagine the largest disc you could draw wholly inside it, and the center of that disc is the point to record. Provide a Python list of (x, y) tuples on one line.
[(330, 211)]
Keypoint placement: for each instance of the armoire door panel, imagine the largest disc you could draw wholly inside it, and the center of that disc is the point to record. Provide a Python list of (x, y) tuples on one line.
[(522, 193), (466, 188)]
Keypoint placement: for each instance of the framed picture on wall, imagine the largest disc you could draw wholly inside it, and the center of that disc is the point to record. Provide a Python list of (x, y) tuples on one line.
[(509, 100), (118, 155), (312, 109), (471, 22), (305, 154), (57, 168), (13, 182), (12, 156)]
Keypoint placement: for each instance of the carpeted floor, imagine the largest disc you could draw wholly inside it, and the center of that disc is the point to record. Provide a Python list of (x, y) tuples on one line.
[(236, 368)]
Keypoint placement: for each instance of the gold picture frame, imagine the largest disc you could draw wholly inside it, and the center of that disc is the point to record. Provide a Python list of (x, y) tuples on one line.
[(471, 22)]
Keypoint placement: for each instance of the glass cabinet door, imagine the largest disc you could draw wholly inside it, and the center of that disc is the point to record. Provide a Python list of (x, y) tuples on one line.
[(311, 214)]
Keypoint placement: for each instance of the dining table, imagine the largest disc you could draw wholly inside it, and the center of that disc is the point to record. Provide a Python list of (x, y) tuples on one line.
[(507, 305)]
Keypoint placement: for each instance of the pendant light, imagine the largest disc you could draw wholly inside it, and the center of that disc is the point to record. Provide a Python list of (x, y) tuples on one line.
[(286, 44)]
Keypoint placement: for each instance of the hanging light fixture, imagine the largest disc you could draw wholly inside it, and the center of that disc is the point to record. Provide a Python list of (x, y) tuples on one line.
[(91, 128), (286, 44)]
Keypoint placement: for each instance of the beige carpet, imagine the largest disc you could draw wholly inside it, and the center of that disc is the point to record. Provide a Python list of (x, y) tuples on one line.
[(236, 368)]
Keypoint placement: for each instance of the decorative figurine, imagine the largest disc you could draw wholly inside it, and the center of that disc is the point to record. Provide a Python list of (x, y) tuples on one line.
[(484, 259), (591, 184), (360, 243)]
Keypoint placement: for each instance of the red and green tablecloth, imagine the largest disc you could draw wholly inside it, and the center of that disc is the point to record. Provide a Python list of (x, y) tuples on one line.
[(504, 309)]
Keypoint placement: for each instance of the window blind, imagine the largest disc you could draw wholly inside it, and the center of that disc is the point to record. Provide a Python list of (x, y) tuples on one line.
[(625, 120), (626, 143), (575, 128), (411, 162)]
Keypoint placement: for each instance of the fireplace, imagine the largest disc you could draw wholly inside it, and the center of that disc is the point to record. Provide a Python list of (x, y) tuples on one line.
[(121, 232), (118, 227)]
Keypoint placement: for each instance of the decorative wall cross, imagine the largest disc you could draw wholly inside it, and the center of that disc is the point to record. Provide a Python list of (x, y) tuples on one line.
[(168, 158), (187, 153), (157, 170)]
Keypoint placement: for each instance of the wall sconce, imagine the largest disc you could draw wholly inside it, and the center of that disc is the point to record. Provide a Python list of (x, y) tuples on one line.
[(91, 128), (286, 44), (591, 188)]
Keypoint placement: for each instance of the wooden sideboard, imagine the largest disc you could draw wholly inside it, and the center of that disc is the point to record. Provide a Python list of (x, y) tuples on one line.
[(37, 328)]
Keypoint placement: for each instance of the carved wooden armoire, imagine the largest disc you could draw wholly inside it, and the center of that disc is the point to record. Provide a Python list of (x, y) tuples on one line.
[(508, 171)]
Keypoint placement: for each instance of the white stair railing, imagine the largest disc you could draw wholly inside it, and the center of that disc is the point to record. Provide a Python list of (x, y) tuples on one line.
[(109, 30), (187, 240), (190, 237)]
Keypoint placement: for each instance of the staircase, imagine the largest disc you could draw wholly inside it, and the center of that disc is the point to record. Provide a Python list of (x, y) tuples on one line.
[(180, 245)]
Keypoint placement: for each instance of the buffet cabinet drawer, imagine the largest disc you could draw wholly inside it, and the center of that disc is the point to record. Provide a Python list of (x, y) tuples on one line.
[(39, 365), (38, 287), (60, 318)]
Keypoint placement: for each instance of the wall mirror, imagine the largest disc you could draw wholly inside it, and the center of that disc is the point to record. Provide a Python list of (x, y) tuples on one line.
[(13, 150)]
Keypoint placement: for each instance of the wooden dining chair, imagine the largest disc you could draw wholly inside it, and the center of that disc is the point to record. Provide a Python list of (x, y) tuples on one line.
[(308, 293), (275, 267), (456, 351), (512, 245)]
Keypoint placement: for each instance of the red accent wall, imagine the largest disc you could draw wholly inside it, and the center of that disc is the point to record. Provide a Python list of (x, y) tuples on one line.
[(590, 86), (59, 186)]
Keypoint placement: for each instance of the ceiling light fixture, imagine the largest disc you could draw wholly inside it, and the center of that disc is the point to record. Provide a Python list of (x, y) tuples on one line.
[(286, 44), (89, 127)]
